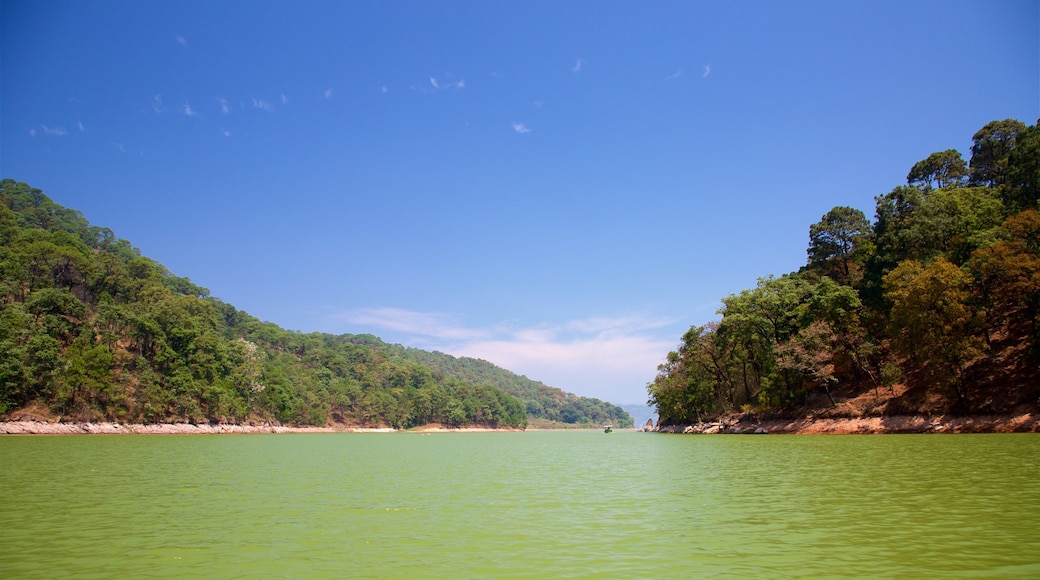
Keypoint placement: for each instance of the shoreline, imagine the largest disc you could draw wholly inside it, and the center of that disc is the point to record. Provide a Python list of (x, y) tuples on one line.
[(1022, 423), (32, 427)]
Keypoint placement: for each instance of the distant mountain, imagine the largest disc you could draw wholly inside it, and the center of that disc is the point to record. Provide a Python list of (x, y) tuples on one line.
[(641, 413)]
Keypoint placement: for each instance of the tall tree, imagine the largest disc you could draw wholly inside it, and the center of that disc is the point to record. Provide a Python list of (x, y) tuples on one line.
[(992, 145), (940, 169), (1023, 185), (932, 322), (839, 240)]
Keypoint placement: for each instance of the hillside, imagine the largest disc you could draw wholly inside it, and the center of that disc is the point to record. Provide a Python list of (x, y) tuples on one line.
[(91, 330), (542, 402), (931, 309)]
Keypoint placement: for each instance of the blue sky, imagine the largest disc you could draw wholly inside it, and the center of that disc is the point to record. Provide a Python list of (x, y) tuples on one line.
[(561, 188)]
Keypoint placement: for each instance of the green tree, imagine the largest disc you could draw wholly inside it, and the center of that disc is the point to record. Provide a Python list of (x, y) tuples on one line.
[(942, 169), (1023, 172), (992, 145), (839, 243)]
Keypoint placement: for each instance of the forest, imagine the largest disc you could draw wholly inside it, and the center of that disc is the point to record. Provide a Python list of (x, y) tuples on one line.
[(91, 330), (933, 308)]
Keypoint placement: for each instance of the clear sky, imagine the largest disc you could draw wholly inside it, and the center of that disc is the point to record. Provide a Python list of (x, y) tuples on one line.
[(559, 187)]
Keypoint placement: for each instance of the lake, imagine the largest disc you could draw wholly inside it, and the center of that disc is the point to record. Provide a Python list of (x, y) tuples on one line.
[(519, 505)]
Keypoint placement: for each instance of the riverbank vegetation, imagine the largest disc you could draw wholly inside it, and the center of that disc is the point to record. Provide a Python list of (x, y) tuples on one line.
[(91, 330), (932, 308)]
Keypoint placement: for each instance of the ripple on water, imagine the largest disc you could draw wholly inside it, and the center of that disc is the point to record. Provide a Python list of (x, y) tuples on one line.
[(562, 505)]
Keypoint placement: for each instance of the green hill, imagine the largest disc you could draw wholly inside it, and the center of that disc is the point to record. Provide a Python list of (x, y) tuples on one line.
[(92, 330)]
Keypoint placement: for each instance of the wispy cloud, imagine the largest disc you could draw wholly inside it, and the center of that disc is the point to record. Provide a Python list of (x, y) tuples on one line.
[(54, 131), (607, 357), (674, 75), (188, 111), (384, 89), (262, 105), (521, 128), (182, 41), (425, 324), (157, 104), (577, 65), (32, 132), (285, 99), (328, 93), (225, 132), (707, 70), (225, 107), (81, 127), (442, 84)]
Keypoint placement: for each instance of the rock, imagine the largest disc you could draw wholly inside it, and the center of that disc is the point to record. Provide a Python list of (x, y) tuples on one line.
[(760, 431), (649, 425)]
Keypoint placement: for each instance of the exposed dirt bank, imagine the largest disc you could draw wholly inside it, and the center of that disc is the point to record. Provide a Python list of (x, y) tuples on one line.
[(1024, 423)]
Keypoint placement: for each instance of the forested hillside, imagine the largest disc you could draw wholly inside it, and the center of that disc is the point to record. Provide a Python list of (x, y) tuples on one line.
[(91, 330), (541, 401), (932, 308)]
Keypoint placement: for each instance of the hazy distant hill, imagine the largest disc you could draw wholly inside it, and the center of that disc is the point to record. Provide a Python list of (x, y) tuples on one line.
[(541, 401), (640, 413)]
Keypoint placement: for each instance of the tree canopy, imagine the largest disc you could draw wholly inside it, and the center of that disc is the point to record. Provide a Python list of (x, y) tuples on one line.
[(92, 330), (940, 294)]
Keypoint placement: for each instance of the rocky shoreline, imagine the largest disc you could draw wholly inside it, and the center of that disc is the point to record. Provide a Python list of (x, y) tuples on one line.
[(1024, 423)]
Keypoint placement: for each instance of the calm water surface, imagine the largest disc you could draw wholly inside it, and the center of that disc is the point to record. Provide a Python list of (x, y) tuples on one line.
[(521, 505)]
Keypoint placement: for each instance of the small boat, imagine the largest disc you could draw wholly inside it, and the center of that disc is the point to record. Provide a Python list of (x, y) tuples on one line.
[(608, 429)]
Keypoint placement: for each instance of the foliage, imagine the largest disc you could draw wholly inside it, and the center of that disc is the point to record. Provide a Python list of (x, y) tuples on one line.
[(93, 330), (941, 292)]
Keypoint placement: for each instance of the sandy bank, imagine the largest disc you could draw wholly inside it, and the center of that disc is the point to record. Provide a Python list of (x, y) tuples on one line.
[(49, 428), (1024, 423), (35, 427)]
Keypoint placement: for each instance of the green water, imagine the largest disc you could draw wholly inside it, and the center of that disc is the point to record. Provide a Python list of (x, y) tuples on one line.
[(521, 505)]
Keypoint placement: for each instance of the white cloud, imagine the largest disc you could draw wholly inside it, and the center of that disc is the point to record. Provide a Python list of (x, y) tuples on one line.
[(32, 132), (182, 41), (611, 358), (54, 131), (443, 84), (80, 126), (328, 93), (285, 99), (674, 75), (225, 107), (578, 64), (384, 89), (225, 132), (707, 70), (187, 110), (427, 324), (262, 104), (157, 104), (521, 128)]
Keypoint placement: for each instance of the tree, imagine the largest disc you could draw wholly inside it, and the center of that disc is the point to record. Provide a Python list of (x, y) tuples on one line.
[(932, 322), (944, 169), (1007, 276), (839, 240), (992, 145), (1023, 173)]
